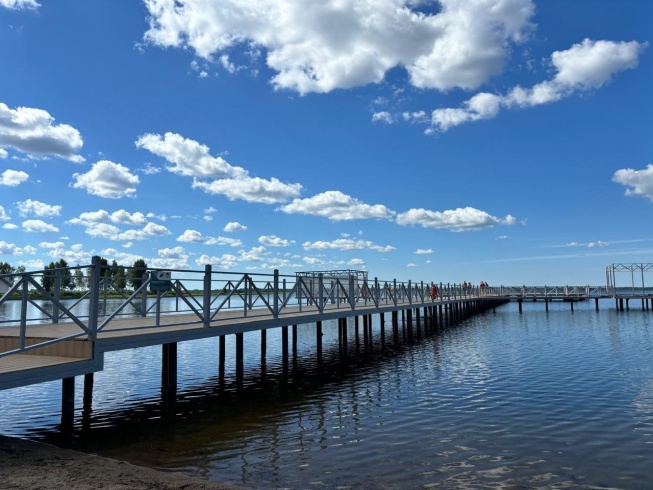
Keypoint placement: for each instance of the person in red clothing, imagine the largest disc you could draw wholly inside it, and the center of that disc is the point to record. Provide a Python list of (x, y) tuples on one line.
[(434, 291)]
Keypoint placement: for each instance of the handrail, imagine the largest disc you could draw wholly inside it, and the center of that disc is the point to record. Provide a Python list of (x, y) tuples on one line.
[(243, 293)]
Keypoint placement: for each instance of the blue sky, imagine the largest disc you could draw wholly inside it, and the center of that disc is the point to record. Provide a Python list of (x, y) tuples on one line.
[(499, 140)]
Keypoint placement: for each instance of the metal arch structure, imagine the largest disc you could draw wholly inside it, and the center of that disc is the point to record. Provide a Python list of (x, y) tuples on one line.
[(636, 283)]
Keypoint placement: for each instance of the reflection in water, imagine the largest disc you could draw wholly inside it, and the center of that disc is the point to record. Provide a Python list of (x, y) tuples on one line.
[(538, 400)]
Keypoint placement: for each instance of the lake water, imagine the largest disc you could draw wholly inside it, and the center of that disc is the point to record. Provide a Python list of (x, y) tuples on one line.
[(539, 400)]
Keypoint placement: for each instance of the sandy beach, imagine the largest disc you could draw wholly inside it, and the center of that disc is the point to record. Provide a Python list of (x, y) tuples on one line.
[(29, 465)]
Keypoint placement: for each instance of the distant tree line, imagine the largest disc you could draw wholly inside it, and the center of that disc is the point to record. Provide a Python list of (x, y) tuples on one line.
[(75, 279)]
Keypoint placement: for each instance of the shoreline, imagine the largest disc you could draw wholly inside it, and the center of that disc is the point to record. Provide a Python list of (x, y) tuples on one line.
[(28, 465)]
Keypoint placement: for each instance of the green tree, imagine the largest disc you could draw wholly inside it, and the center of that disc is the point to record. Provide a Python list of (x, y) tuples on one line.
[(80, 280), (47, 279), (7, 268), (120, 278), (50, 276), (135, 274), (67, 280)]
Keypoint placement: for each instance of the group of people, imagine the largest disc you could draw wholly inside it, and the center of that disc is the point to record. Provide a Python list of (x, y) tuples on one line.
[(466, 288)]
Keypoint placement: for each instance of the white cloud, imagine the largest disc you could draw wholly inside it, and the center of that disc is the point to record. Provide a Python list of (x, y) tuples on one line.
[(638, 182), (251, 189), (37, 208), (585, 66), (11, 249), (38, 226), (188, 157), (13, 178), (460, 219), (423, 251), (346, 244), (32, 131), (194, 236), (19, 4), (3, 153), (274, 241), (234, 226), (322, 46), (225, 262), (124, 217), (337, 207), (9, 226), (107, 179), (383, 116), (3, 215), (191, 236)]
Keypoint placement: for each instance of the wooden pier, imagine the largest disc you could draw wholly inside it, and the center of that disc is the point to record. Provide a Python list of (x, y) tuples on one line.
[(68, 340)]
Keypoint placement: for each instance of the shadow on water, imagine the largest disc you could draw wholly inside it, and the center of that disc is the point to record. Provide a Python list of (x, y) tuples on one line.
[(268, 389)]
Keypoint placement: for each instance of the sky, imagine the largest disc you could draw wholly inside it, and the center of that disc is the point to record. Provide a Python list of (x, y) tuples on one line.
[(505, 141)]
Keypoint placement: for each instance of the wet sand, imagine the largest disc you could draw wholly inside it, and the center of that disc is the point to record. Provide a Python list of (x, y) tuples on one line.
[(29, 465)]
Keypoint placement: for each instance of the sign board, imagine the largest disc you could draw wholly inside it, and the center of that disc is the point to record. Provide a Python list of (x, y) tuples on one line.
[(161, 281)]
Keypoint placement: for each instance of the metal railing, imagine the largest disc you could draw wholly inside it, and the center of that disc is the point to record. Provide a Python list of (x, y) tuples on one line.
[(102, 299)]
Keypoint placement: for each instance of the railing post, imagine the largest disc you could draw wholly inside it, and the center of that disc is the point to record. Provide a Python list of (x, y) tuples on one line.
[(352, 300), (57, 295), (23, 310), (275, 313), (206, 296), (394, 296), (320, 286), (144, 296), (410, 293), (94, 297), (245, 295), (376, 290)]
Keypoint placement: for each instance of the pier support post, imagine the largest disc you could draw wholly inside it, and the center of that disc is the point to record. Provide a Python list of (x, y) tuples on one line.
[(169, 376), (263, 354), (67, 404), (382, 324), (294, 348), (221, 360), (284, 351), (343, 322), (318, 339), (366, 339), (88, 400), (240, 361)]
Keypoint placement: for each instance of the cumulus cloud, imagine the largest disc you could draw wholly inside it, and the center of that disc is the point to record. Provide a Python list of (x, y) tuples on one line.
[(11, 249), (13, 178), (107, 179), (274, 241), (194, 236), (3, 214), (37, 208), (637, 182), (337, 207), (38, 226), (192, 159), (347, 244), (19, 4), (188, 157), (460, 219), (234, 226), (224, 262), (323, 46), (585, 66), (32, 131), (251, 189), (423, 251)]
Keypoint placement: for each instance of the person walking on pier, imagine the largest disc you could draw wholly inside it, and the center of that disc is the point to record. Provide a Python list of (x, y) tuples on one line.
[(434, 291)]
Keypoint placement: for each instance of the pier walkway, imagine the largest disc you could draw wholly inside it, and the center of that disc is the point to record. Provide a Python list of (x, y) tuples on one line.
[(44, 337)]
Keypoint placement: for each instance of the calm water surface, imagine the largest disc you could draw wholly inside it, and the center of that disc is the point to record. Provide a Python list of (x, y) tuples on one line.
[(539, 400)]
